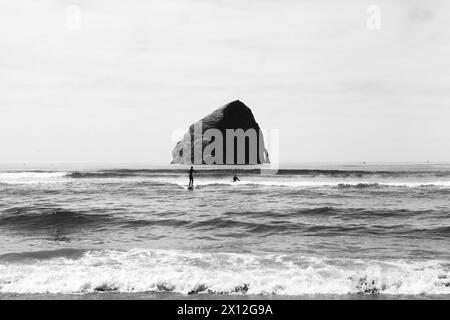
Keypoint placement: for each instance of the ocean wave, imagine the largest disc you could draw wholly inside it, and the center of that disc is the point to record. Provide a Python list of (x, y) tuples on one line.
[(202, 183), (227, 170), (36, 218), (33, 256), (32, 177), (147, 270), (262, 223), (251, 177), (344, 213), (364, 173)]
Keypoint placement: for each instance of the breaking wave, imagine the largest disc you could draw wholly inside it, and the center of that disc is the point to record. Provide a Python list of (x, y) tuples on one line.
[(251, 177), (298, 183), (143, 270), (31, 177)]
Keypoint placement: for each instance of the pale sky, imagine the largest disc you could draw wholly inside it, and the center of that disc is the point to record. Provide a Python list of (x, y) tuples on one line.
[(115, 86)]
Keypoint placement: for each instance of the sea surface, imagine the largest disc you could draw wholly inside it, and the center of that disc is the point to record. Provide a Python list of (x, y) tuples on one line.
[(316, 230)]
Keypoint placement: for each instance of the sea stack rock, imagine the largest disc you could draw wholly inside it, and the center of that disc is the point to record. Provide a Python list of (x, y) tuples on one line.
[(228, 135)]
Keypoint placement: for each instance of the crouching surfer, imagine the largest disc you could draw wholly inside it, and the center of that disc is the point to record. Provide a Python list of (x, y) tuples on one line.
[(235, 178)]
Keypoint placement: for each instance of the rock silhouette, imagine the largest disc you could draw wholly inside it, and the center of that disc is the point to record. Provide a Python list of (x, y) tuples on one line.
[(234, 115)]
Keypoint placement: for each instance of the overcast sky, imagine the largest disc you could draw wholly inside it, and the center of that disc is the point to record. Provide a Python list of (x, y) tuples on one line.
[(115, 86)]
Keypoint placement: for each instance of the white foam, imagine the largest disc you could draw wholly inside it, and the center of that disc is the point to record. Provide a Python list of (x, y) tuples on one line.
[(142, 270), (300, 183), (31, 177)]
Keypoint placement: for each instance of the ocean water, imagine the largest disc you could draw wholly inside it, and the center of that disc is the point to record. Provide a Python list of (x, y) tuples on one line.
[(309, 230)]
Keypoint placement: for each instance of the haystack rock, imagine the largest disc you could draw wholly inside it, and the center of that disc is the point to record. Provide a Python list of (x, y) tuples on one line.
[(234, 115)]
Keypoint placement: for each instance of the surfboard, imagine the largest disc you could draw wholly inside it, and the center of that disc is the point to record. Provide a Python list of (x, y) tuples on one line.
[(190, 188)]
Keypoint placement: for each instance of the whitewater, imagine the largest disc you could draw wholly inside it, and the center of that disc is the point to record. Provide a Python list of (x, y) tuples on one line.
[(337, 230)]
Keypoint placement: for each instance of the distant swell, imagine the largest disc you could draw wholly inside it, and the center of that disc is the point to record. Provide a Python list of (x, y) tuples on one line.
[(140, 270), (205, 171), (225, 171)]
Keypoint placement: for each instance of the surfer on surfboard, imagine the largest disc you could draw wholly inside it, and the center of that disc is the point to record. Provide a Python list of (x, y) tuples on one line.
[(235, 178), (191, 177)]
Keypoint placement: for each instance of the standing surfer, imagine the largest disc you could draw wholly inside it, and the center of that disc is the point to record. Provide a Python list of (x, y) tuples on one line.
[(191, 177)]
